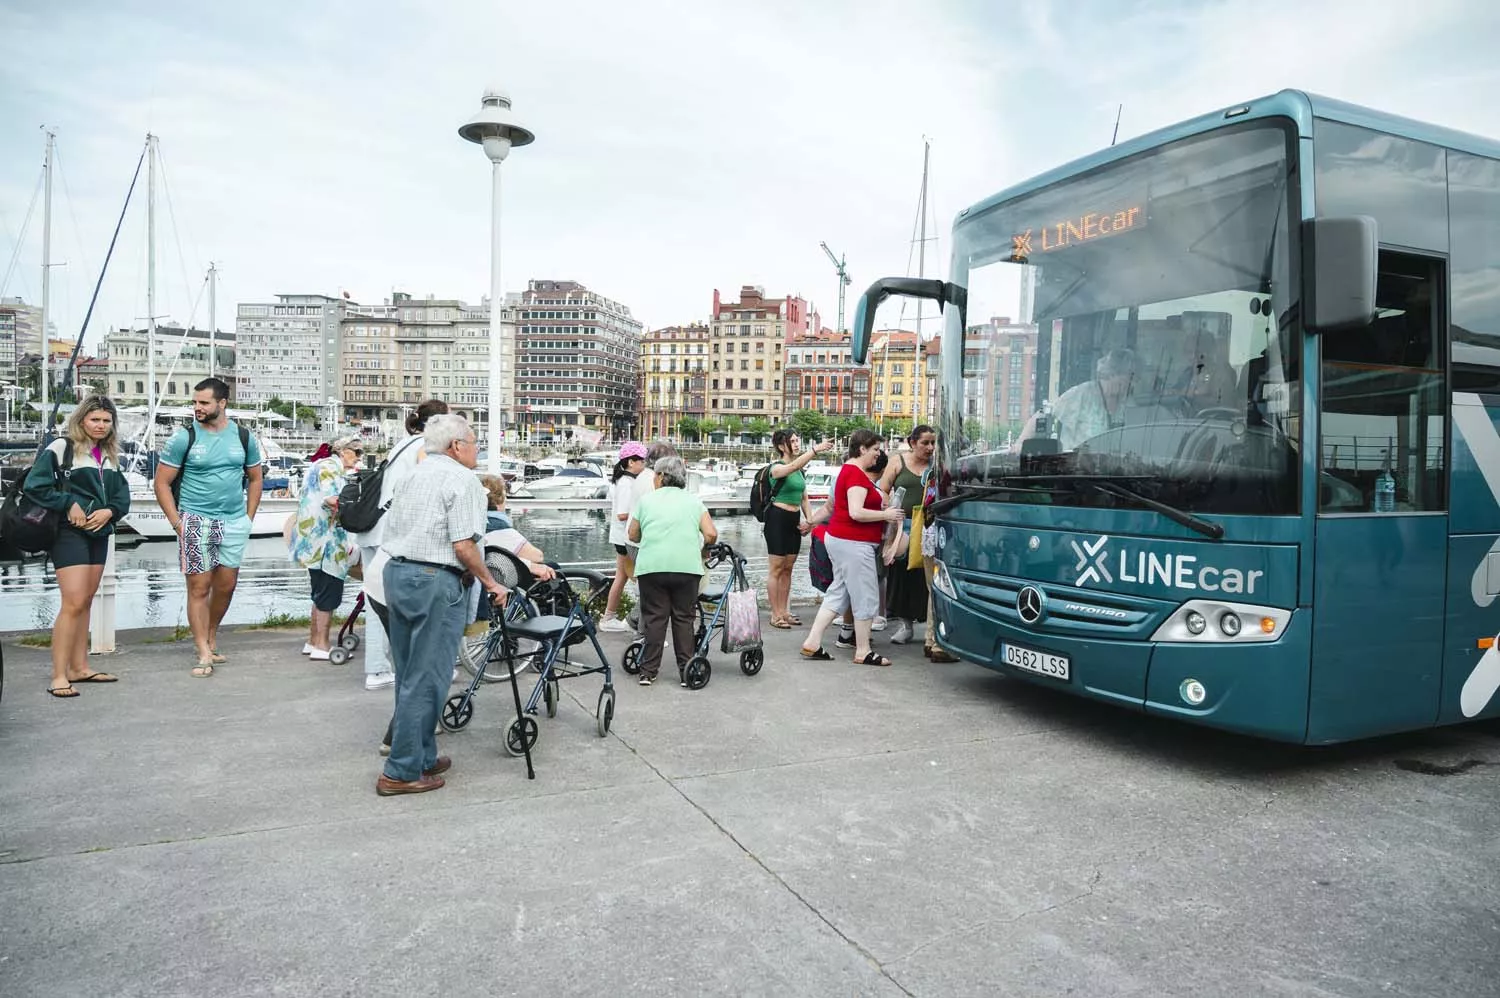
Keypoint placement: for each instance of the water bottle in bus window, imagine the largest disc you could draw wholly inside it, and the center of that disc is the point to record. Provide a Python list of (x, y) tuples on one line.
[(1385, 487)]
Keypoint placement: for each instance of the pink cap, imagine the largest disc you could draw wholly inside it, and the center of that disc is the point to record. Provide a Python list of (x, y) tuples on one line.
[(632, 448)]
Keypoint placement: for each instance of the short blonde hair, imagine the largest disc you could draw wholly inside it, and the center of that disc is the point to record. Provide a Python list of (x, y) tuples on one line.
[(495, 486)]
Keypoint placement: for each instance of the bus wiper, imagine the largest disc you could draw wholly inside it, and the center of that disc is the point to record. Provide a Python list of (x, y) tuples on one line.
[(1208, 528), (967, 492)]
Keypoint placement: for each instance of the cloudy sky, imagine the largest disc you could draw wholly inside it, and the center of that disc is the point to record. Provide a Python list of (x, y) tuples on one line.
[(683, 145)]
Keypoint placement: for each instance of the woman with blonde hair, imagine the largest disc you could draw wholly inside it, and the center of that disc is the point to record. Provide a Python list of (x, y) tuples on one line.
[(78, 475), (320, 544)]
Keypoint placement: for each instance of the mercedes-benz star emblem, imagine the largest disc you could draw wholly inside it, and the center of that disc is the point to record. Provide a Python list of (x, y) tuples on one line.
[(1030, 604)]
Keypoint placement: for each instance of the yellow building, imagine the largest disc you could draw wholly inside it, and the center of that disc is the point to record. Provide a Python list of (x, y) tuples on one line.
[(897, 381), (674, 367)]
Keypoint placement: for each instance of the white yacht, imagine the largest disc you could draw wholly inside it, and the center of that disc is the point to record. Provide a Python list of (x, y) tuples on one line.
[(575, 481)]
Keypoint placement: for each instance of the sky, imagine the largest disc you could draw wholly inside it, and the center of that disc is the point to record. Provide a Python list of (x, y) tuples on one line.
[(682, 145)]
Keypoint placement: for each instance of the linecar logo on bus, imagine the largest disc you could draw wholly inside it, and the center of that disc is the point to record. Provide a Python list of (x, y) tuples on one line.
[(1093, 556), (1145, 567)]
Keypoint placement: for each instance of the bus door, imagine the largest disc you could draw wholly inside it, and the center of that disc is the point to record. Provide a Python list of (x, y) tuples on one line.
[(1381, 548)]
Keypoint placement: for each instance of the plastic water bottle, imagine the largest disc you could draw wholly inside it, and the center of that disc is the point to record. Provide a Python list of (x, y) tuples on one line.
[(1385, 488)]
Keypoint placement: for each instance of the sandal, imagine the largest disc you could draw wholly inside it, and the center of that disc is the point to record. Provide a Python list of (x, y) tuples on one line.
[(782, 623), (203, 670), (793, 619), (872, 658), (816, 656), (96, 677), (218, 659), (65, 692)]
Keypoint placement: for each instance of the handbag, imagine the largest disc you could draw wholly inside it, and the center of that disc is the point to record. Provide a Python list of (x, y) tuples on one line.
[(914, 551), (26, 525), (741, 616)]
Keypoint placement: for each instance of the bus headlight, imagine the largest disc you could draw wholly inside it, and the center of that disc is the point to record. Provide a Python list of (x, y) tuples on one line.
[(1189, 623), (1192, 692), (942, 583)]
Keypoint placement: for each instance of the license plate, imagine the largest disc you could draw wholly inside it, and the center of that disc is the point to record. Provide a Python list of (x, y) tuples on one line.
[(1041, 662)]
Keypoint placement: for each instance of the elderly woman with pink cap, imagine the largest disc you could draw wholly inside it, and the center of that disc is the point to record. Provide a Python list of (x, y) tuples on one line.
[(631, 463)]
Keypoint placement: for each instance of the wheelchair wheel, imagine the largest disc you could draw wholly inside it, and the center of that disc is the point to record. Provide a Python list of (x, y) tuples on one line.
[(338, 654), (752, 660), (551, 694), (631, 663), (697, 673), (606, 710), (521, 735), (457, 712), (350, 641)]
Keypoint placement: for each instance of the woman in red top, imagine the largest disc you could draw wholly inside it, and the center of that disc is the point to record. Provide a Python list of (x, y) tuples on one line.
[(856, 525)]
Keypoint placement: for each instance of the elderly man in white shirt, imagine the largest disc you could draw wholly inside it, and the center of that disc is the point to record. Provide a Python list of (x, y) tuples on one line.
[(431, 538)]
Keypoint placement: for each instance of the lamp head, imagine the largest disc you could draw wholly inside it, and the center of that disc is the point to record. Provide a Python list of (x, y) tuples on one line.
[(495, 128)]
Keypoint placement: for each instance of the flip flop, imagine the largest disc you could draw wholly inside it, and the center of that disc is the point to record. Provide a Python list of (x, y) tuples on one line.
[(203, 670), (782, 624), (218, 659), (872, 658), (58, 691), (793, 619), (96, 677)]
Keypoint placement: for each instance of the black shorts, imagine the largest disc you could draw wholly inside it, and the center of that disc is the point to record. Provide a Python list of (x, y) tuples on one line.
[(781, 533), (78, 547), (327, 590), (621, 551)]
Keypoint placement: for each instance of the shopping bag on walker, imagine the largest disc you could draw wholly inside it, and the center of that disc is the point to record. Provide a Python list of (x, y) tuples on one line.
[(741, 620)]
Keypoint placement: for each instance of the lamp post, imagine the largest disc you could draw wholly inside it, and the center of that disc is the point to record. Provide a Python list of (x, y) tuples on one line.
[(494, 129)]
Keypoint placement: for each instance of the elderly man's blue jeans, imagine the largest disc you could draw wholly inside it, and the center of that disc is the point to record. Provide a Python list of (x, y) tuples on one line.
[(427, 607)]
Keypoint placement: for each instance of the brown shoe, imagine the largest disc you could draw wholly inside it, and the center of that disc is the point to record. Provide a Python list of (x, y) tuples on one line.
[(387, 787), (442, 765), (940, 656)]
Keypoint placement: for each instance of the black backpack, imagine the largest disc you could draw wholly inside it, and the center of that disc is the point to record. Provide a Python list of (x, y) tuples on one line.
[(359, 506), (763, 492), (25, 526), (192, 434)]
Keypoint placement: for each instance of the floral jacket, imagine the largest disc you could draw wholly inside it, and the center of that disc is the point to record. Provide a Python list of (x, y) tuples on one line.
[(317, 539)]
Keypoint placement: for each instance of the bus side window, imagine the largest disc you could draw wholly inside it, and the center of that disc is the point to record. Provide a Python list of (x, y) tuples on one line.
[(1383, 395)]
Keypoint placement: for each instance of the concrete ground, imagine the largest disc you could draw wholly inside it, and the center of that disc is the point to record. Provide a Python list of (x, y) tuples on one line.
[(819, 829)]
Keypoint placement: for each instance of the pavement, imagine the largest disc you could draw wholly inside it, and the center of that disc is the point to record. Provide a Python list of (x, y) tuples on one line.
[(818, 829)]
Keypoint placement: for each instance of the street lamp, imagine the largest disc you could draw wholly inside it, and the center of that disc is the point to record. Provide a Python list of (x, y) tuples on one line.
[(494, 129)]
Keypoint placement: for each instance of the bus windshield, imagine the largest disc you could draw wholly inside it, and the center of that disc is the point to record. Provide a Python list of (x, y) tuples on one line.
[(1134, 323)]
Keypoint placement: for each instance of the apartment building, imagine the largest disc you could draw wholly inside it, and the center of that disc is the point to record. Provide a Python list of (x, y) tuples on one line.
[(288, 349), (577, 364), (20, 335), (747, 341), (896, 376), (182, 360), (673, 378), (394, 355), (999, 362), (821, 375)]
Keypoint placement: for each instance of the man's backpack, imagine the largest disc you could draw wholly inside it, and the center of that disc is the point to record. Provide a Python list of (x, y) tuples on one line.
[(359, 506), (192, 434), (763, 492), (25, 526)]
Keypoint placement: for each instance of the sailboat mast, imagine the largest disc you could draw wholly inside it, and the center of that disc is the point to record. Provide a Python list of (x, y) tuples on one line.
[(213, 315), (150, 290), (46, 361)]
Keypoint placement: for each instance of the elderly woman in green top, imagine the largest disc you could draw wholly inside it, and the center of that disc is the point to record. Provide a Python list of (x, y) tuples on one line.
[(671, 526)]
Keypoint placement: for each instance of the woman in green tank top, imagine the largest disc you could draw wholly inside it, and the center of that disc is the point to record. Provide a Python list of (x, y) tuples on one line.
[(907, 599), (787, 518)]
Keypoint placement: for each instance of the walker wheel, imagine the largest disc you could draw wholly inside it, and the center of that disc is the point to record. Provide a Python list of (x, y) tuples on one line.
[(338, 654), (697, 673), (457, 712), (350, 641), (551, 694), (631, 663), (606, 711), (752, 660), (521, 735)]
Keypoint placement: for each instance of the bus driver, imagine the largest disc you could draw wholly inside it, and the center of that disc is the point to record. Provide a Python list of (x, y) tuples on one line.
[(1091, 407)]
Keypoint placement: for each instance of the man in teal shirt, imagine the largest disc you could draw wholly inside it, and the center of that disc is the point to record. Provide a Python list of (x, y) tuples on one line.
[(212, 510)]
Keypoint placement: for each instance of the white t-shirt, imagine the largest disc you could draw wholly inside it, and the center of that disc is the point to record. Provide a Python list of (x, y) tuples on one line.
[(507, 539), (374, 585), (622, 500), (403, 462)]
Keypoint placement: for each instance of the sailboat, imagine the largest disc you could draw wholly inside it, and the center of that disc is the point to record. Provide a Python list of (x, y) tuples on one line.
[(146, 517)]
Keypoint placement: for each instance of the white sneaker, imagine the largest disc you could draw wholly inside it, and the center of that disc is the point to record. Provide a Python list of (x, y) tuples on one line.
[(615, 625), (902, 634), (307, 649), (878, 624), (317, 654), (379, 680)]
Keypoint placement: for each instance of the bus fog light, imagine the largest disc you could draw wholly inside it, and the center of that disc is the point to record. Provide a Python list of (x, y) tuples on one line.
[(1193, 692), (1229, 623), (1195, 622), (1268, 625)]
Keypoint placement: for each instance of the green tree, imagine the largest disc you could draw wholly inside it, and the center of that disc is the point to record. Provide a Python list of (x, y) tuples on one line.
[(689, 427), (284, 408), (759, 429), (730, 425), (898, 426), (810, 424)]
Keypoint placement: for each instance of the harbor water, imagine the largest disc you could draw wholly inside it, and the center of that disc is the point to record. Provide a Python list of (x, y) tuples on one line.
[(150, 588)]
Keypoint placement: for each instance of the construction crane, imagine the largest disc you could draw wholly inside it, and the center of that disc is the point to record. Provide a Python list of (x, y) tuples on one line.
[(838, 266)]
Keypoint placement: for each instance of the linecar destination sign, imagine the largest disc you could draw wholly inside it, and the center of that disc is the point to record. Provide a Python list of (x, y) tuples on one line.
[(1076, 230)]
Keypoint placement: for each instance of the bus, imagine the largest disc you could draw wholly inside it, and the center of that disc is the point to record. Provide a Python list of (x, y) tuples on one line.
[(1218, 424)]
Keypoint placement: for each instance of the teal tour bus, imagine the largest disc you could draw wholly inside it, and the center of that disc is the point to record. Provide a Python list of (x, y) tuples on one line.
[(1218, 424)]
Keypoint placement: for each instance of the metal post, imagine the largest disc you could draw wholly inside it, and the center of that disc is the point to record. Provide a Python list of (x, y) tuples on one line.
[(150, 291), (46, 359), (497, 373), (102, 613), (213, 314)]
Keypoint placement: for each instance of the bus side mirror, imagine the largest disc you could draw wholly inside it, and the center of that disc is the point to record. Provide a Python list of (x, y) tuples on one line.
[(1339, 258), (910, 287)]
